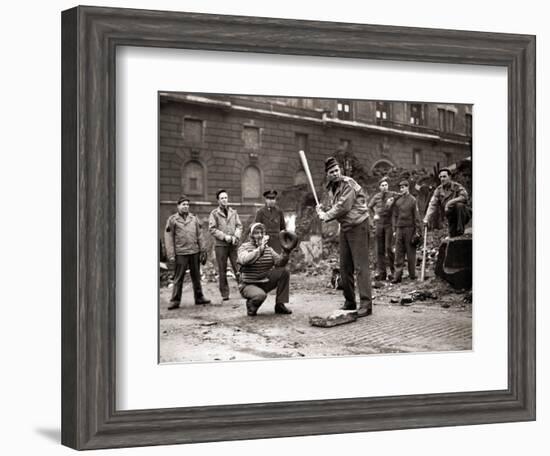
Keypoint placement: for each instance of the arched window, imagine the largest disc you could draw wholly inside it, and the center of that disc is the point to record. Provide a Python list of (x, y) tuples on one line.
[(252, 183), (300, 177), (192, 179), (382, 167)]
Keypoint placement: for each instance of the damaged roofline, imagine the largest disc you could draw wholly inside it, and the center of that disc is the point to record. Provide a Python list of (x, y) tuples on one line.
[(325, 121)]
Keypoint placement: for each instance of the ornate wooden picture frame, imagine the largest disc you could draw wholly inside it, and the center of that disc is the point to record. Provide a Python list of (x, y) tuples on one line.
[(90, 37)]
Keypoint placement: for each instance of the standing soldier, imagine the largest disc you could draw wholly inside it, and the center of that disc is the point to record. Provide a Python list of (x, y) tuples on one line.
[(381, 207), (273, 219), (451, 199), (185, 247), (224, 224), (406, 224), (349, 207)]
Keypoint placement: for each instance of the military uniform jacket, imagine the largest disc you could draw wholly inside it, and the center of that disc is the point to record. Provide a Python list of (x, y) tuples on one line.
[(349, 203), (405, 212), (183, 235), (221, 225), (378, 205), (442, 195)]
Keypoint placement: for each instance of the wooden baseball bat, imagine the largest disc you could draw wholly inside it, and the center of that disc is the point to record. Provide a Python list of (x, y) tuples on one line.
[(423, 271), (303, 159)]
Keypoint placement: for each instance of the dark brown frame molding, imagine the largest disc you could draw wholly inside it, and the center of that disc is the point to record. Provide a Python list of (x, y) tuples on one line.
[(90, 36)]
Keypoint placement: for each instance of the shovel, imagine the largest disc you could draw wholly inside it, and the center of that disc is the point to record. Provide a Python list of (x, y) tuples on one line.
[(423, 271)]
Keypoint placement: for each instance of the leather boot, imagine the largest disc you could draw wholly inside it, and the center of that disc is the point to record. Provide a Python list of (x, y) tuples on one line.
[(202, 300), (280, 308)]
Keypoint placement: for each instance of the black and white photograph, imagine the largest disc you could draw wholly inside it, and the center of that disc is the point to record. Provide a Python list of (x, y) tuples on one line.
[(295, 227)]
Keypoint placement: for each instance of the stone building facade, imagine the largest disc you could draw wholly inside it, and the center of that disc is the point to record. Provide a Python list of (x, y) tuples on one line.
[(248, 144)]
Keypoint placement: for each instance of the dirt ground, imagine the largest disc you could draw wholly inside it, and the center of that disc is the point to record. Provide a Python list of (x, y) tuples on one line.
[(221, 331)]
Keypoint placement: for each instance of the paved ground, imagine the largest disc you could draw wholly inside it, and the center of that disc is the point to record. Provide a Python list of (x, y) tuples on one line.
[(222, 330)]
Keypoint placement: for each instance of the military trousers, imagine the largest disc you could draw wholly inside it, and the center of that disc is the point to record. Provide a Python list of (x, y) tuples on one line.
[(183, 262), (403, 247), (224, 252), (384, 253), (354, 260)]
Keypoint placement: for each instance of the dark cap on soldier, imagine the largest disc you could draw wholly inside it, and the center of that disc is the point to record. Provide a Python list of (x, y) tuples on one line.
[(270, 194), (218, 193), (404, 183), (330, 162), (384, 179), (183, 198)]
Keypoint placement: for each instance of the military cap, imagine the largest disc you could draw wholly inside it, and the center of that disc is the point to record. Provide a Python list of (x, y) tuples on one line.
[(220, 191), (330, 162), (404, 183), (270, 194), (384, 179), (183, 198)]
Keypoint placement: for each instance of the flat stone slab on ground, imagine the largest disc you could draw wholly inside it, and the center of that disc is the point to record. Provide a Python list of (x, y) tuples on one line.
[(335, 318)]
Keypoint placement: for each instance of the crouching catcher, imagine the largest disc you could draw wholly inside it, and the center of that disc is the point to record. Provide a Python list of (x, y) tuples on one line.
[(263, 270)]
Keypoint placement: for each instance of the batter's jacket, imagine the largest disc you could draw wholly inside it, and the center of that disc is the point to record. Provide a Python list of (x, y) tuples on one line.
[(349, 203), (183, 235), (220, 225)]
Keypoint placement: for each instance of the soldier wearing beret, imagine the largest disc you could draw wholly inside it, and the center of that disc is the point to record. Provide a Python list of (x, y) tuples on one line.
[(406, 223), (349, 207), (380, 206), (226, 227), (185, 248), (273, 219), (451, 199)]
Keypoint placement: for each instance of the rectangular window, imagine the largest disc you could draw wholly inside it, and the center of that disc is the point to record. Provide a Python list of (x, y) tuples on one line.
[(468, 124), (441, 117), (344, 109), (417, 157), (192, 131), (416, 116), (450, 121), (251, 137), (382, 111), (301, 142)]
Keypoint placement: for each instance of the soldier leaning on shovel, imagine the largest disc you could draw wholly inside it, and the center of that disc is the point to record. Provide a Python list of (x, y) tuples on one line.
[(451, 199), (349, 207), (185, 248)]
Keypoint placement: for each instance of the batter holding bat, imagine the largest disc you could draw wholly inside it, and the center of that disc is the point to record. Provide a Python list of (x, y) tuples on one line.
[(349, 207)]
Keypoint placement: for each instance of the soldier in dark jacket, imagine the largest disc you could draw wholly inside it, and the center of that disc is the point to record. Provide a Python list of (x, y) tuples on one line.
[(349, 207), (185, 248), (451, 199), (406, 223), (380, 207), (273, 218)]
